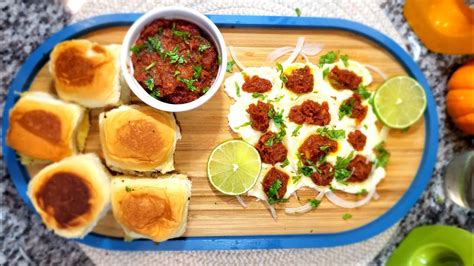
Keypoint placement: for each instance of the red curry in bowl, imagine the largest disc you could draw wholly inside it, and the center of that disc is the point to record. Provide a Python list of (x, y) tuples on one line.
[(174, 61)]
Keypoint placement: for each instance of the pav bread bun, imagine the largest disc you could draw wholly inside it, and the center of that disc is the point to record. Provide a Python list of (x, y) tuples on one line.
[(44, 128), (152, 208), (137, 139), (88, 73), (71, 195)]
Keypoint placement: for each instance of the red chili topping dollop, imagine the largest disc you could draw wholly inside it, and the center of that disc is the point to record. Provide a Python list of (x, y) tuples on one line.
[(310, 112)]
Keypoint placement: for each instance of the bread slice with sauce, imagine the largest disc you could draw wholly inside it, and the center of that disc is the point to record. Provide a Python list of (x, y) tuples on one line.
[(138, 140), (88, 73), (44, 128), (71, 195), (152, 208)]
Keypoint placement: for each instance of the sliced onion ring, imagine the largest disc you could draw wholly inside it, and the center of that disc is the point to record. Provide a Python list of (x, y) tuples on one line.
[(279, 52), (384, 133), (349, 204), (296, 51), (304, 208), (241, 201), (377, 70), (376, 196), (234, 57), (271, 209), (312, 49)]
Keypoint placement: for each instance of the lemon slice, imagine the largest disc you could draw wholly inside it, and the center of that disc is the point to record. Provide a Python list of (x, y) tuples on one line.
[(399, 102), (233, 167)]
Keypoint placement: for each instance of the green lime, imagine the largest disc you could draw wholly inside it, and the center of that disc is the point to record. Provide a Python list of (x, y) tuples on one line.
[(233, 167), (399, 102)]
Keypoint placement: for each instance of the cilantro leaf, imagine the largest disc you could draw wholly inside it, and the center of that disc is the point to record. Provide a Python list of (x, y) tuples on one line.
[(295, 131), (230, 66), (182, 34), (150, 83), (136, 48), (175, 57), (363, 92), (244, 125), (197, 71), (176, 72), (155, 94), (325, 72), (298, 12), (345, 59), (296, 178), (346, 216), (206, 89), (314, 203), (285, 163), (362, 191), (346, 109), (203, 47), (258, 95), (273, 193), (188, 83), (306, 170), (237, 89), (331, 133), (277, 138), (150, 66), (328, 58), (154, 43), (382, 155), (283, 77), (128, 189), (340, 168)]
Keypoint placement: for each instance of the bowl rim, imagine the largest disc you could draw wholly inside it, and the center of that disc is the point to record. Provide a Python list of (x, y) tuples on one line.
[(172, 12)]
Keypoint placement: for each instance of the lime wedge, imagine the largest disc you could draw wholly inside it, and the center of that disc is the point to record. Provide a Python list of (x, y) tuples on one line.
[(233, 167), (399, 102)]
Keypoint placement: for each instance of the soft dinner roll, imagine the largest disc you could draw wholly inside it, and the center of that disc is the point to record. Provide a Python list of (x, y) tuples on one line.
[(153, 208), (138, 139), (71, 195), (88, 73), (43, 128)]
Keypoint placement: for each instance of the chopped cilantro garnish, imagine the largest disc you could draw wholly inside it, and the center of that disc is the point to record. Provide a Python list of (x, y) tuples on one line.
[(363, 92), (305, 170), (154, 43), (285, 163), (175, 57), (244, 125), (155, 94), (296, 178), (323, 147), (237, 89), (341, 173), (273, 193), (150, 66), (150, 83), (283, 77), (203, 47), (325, 72), (277, 118), (188, 83), (346, 216), (345, 59), (219, 59), (136, 49), (331, 133), (365, 126), (298, 12), (295, 131), (206, 89), (277, 138), (276, 99), (230, 66), (346, 109), (128, 189), (382, 155), (362, 191), (328, 58), (314, 203), (182, 34), (177, 72), (258, 95), (197, 71)]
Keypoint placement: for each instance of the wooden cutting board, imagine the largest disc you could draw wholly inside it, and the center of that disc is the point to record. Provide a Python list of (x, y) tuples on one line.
[(214, 214)]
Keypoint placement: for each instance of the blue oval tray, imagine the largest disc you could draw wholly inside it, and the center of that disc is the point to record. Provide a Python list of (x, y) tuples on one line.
[(40, 56)]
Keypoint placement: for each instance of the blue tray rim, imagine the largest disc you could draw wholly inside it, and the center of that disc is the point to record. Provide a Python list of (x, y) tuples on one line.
[(37, 59)]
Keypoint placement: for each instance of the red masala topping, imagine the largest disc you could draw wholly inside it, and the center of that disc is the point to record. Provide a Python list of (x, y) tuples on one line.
[(357, 139), (271, 177), (323, 174), (314, 147), (300, 80), (360, 168), (259, 115), (271, 154), (343, 79), (256, 84), (310, 112)]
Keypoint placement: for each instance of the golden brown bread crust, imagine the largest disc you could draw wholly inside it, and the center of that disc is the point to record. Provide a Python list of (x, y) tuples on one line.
[(71, 195), (86, 73), (151, 208), (43, 127), (138, 138)]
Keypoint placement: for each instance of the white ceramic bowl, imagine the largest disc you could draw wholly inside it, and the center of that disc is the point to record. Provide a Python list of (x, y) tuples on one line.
[(175, 12)]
